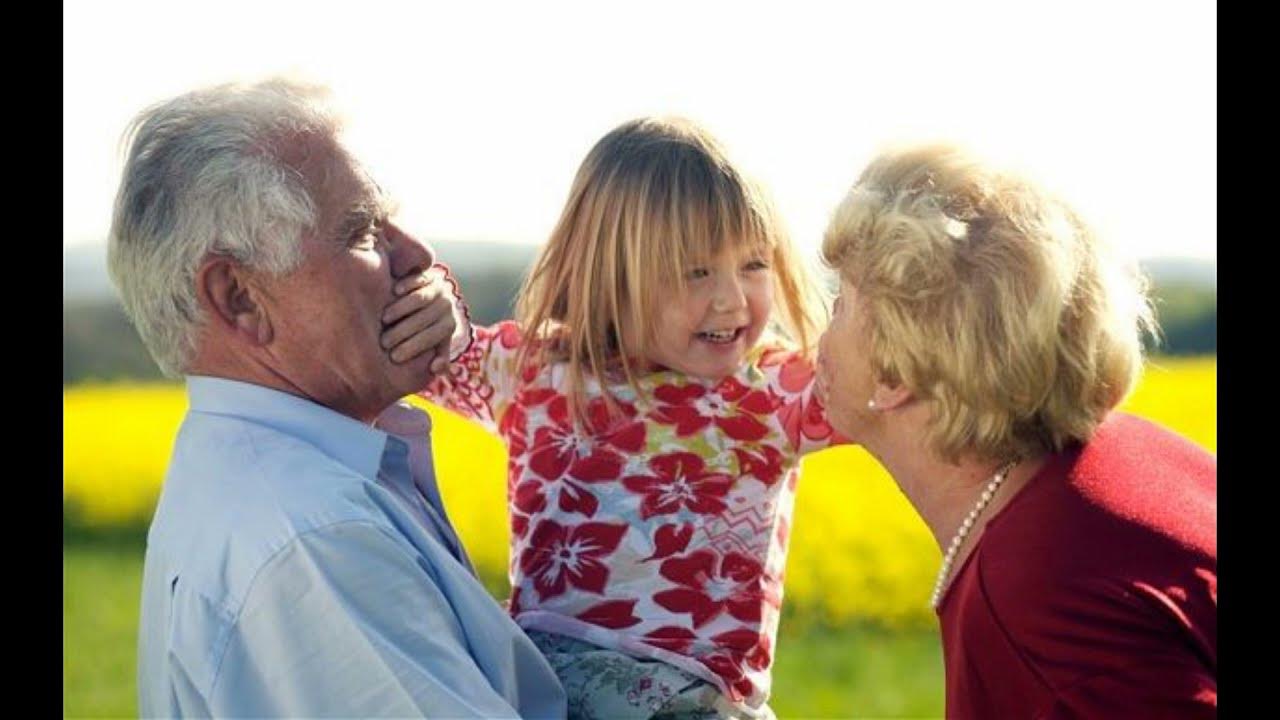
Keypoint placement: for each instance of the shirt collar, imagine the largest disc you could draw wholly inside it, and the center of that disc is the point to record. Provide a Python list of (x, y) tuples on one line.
[(345, 439)]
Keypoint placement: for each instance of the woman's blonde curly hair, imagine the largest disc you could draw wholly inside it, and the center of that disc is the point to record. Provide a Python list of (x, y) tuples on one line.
[(990, 299)]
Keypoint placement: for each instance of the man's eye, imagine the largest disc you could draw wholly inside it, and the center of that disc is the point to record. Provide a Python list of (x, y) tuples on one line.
[(368, 237)]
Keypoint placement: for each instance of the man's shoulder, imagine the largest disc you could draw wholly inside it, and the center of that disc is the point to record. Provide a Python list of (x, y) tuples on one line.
[(237, 493), (260, 470)]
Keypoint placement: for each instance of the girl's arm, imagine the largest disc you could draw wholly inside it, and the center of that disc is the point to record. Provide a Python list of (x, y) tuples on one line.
[(479, 380), (481, 383), (804, 419)]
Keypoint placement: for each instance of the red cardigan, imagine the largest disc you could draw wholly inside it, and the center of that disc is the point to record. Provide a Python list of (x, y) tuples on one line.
[(1093, 593)]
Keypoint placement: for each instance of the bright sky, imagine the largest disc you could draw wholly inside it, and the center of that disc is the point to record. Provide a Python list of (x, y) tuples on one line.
[(476, 115)]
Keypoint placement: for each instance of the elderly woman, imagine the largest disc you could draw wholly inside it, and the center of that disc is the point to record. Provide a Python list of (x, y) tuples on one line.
[(981, 340)]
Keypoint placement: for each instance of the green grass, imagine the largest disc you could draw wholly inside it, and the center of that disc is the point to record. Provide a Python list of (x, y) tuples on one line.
[(858, 671), (819, 672), (101, 582)]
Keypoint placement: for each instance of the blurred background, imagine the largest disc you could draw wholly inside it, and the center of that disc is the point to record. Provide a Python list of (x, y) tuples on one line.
[(476, 118)]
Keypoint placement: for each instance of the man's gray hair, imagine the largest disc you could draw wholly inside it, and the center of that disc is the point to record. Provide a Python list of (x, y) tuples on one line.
[(205, 173)]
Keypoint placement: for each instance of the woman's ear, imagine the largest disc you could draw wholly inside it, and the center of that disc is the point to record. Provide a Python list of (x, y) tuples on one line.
[(891, 395), (224, 292)]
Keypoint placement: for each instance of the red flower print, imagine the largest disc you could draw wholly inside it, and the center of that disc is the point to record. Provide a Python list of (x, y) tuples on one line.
[(677, 408), (751, 646), (711, 585), (804, 419), (528, 497), (671, 637), (682, 481), (671, 539), (724, 664), (746, 404), (519, 525), (559, 556), (796, 374), (464, 388), (535, 396), (611, 614), (513, 427), (766, 467), (575, 498), (732, 406), (508, 332), (597, 457), (737, 650)]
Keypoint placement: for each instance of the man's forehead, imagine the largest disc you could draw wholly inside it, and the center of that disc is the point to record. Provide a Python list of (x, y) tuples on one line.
[(368, 197), (345, 188)]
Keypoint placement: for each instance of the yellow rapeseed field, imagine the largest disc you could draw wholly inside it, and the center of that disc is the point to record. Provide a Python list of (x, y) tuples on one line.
[(858, 550)]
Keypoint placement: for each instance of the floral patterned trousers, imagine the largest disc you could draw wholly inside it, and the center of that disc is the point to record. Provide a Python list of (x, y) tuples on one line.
[(603, 684)]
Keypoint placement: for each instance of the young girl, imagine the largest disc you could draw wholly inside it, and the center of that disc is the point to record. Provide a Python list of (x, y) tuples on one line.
[(655, 425)]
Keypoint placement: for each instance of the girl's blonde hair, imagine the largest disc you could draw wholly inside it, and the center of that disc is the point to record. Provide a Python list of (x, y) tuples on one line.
[(989, 298), (653, 196)]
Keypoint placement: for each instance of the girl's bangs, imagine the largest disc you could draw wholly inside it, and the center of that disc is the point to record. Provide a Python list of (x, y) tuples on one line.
[(723, 217)]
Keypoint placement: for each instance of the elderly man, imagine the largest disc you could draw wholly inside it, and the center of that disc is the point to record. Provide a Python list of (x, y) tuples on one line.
[(300, 561)]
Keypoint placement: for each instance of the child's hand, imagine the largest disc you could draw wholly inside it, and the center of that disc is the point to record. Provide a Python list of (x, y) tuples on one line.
[(420, 320)]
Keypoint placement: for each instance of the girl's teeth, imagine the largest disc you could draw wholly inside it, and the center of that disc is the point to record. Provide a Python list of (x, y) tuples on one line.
[(720, 336)]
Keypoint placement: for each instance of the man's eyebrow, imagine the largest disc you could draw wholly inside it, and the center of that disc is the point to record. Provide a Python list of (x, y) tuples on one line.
[(387, 205), (370, 211), (390, 205), (357, 218)]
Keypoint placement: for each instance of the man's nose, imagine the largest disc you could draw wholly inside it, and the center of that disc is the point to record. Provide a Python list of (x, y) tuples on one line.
[(409, 255)]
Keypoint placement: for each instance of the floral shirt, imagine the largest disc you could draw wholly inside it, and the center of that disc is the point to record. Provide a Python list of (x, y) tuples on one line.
[(658, 532)]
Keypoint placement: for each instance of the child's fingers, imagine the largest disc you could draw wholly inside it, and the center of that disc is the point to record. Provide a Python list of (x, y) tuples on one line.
[(434, 334), (420, 296), (432, 275), (440, 364), (439, 312)]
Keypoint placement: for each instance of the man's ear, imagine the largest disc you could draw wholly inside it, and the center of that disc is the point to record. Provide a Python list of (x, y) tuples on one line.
[(224, 291), (891, 395)]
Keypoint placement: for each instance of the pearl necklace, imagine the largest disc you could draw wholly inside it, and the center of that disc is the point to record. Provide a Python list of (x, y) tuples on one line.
[(963, 532)]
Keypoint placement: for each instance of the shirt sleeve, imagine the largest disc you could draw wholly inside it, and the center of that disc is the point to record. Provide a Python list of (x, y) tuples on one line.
[(346, 621), (804, 419), (482, 382), (464, 333)]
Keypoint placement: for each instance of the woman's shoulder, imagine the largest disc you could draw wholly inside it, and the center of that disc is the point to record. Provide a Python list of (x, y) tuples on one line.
[(1122, 437)]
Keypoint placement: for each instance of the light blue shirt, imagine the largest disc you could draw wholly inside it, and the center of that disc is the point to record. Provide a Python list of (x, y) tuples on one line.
[(300, 563)]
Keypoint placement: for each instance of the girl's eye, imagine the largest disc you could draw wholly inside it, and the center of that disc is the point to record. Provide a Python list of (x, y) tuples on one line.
[(697, 273), (755, 265)]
